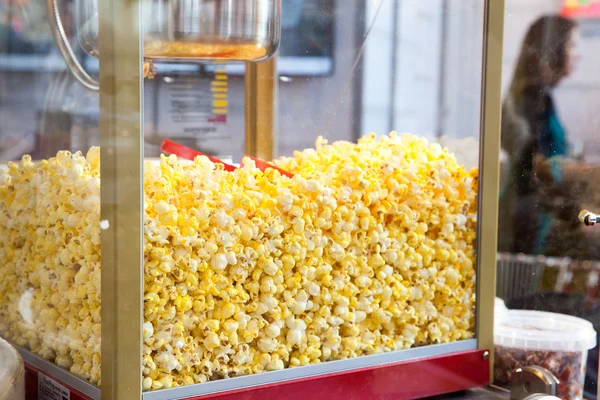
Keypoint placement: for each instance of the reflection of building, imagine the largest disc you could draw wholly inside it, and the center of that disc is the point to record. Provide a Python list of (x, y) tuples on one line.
[(24, 28), (307, 28), (299, 121), (425, 79)]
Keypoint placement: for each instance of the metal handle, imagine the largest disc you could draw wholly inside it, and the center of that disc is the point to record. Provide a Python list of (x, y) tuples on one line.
[(589, 218), (533, 383), (58, 32)]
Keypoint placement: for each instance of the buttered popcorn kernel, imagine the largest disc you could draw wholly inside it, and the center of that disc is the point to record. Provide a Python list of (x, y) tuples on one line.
[(50, 259), (368, 248)]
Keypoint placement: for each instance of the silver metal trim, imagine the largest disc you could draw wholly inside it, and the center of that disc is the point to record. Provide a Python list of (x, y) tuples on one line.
[(58, 373), (93, 65), (64, 46), (267, 378), (295, 66), (32, 62)]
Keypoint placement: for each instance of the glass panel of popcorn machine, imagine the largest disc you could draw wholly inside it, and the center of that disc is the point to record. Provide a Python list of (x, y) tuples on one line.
[(383, 200), (49, 196), (549, 173), (342, 243)]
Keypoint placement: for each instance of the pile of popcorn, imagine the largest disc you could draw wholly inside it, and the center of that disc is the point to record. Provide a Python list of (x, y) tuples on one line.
[(368, 248), (50, 259)]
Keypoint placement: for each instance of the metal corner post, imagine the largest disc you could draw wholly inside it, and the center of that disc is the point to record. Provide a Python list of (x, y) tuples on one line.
[(491, 109), (121, 130), (261, 118)]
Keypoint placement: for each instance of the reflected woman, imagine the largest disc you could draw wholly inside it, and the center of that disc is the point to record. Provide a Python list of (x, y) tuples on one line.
[(533, 193)]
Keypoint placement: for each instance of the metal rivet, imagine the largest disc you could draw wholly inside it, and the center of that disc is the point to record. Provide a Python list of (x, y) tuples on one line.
[(486, 355)]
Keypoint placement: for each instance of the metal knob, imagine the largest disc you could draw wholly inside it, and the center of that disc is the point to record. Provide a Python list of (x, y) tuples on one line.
[(588, 217), (533, 383)]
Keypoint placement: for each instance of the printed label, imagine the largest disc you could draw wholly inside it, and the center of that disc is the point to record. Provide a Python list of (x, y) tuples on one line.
[(193, 108), (49, 389)]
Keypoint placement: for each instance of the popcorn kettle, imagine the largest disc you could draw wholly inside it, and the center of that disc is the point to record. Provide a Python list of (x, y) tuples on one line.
[(243, 30)]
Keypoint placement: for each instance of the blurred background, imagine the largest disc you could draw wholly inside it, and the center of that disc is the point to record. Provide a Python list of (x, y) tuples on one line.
[(430, 49), (356, 83)]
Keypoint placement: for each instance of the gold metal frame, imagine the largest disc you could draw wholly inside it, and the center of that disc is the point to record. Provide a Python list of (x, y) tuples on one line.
[(121, 139), (261, 108), (491, 110), (121, 133)]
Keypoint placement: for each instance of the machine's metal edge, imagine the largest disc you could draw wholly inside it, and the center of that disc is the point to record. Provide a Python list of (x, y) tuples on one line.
[(489, 173), (58, 373), (297, 67), (261, 113), (121, 145), (309, 371)]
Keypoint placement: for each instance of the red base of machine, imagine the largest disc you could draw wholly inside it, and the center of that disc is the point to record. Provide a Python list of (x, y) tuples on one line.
[(36, 381), (404, 380), (412, 379)]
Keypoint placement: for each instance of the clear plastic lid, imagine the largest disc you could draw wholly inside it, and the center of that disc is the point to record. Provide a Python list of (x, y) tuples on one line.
[(537, 330), (499, 309), (499, 305)]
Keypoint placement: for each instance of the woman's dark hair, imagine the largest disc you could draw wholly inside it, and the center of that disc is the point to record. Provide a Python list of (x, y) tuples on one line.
[(543, 56)]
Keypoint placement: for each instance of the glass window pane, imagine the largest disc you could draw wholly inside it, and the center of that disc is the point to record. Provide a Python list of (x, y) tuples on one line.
[(49, 195), (369, 248), (548, 258)]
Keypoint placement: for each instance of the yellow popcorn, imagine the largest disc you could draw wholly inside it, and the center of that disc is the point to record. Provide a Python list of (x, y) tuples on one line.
[(369, 248), (49, 259)]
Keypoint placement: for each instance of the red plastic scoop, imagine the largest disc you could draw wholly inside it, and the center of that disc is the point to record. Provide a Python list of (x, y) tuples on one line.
[(263, 165), (189, 154)]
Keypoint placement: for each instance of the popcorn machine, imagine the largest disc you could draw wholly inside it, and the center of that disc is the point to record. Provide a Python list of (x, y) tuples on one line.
[(359, 270)]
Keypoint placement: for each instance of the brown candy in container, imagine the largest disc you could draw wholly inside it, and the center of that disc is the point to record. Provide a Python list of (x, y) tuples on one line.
[(556, 342)]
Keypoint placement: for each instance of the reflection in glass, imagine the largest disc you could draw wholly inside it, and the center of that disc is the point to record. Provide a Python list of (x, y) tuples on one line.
[(538, 195), (547, 179)]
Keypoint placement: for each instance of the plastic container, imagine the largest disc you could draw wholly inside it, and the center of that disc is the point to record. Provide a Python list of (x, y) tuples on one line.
[(12, 373), (557, 342)]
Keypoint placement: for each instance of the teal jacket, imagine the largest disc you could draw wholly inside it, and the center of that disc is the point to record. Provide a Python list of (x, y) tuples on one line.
[(532, 127)]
